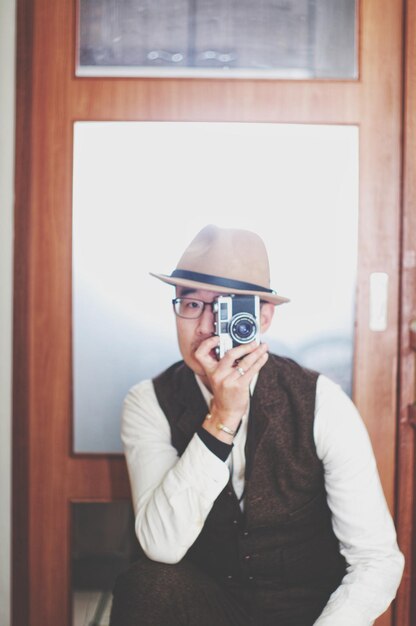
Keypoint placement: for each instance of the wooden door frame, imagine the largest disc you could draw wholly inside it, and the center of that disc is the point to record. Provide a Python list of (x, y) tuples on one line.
[(405, 610), (47, 476)]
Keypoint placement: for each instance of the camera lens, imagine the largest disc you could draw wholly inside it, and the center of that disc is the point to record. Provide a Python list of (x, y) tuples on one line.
[(243, 328)]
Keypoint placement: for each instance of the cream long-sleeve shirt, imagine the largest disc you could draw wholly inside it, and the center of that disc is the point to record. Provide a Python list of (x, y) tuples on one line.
[(172, 496)]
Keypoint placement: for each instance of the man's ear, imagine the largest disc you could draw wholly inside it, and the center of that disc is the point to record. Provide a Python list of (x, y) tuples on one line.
[(266, 316)]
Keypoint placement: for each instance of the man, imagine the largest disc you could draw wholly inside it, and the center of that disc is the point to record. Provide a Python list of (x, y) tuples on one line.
[(254, 485)]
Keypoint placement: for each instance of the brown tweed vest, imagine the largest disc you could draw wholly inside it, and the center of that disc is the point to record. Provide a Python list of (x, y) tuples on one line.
[(284, 538)]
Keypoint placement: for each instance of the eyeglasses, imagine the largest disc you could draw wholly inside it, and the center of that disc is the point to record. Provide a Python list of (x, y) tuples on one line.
[(189, 308)]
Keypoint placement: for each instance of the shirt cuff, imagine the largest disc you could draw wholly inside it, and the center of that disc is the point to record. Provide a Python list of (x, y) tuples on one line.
[(219, 448)]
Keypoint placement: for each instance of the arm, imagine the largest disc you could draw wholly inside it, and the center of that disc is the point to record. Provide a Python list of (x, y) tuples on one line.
[(171, 496), (361, 519)]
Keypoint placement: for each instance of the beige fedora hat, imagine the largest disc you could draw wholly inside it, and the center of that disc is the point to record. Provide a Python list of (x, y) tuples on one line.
[(226, 260)]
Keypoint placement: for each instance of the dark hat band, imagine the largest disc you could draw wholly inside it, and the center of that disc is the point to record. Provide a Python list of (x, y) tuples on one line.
[(218, 280)]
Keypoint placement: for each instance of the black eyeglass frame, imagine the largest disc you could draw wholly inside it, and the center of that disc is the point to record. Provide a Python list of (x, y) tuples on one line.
[(176, 300), (211, 304)]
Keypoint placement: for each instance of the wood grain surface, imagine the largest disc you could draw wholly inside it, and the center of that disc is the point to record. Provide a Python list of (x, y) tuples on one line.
[(405, 609)]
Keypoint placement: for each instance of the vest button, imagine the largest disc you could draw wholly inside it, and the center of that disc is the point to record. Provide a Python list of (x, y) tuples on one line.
[(229, 577), (247, 557), (235, 521), (245, 533), (251, 578)]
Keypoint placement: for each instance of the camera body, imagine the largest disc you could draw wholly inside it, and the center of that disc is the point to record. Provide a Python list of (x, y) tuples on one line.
[(237, 321)]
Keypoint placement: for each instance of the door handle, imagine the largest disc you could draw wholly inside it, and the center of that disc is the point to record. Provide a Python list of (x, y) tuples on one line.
[(412, 344), (412, 331)]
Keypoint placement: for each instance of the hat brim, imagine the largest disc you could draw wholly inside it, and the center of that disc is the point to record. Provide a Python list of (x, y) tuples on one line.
[(273, 298)]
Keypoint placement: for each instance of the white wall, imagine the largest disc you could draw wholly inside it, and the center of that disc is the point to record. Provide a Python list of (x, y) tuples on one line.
[(7, 96)]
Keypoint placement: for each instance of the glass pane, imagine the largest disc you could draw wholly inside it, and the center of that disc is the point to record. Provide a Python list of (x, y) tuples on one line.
[(270, 38), (142, 190), (103, 545)]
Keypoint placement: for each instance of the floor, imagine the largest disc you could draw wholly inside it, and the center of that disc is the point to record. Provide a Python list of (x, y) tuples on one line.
[(91, 608)]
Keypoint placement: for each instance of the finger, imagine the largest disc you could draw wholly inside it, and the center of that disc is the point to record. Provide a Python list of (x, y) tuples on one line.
[(204, 352), (249, 359), (206, 345), (246, 370), (245, 376), (227, 365), (237, 353)]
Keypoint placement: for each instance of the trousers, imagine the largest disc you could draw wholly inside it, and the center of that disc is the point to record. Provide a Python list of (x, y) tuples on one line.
[(158, 594)]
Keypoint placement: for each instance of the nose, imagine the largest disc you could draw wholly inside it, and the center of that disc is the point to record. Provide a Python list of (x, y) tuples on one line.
[(206, 322)]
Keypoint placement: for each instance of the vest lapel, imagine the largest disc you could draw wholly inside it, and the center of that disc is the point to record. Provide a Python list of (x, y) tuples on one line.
[(266, 407), (192, 407)]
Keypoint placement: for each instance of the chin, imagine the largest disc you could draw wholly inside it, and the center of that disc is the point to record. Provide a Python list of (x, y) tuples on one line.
[(198, 370), (195, 367)]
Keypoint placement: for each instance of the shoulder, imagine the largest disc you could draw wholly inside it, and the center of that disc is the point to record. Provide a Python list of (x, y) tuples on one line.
[(286, 382), (332, 400), (285, 363), (339, 427), (142, 417), (139, 392), (171, 382), (144, 392), (290, 372), (172, 373)]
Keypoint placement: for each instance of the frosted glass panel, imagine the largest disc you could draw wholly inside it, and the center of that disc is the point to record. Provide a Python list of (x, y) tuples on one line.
[(141, 193), (262, 39)]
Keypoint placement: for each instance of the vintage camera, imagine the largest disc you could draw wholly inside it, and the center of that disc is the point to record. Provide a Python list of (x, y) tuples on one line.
[(237, 321)]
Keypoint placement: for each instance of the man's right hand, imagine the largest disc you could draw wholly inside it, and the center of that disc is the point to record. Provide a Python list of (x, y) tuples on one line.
[(229, 381)]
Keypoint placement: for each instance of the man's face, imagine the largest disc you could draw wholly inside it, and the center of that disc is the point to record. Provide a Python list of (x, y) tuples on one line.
[(191, 332)]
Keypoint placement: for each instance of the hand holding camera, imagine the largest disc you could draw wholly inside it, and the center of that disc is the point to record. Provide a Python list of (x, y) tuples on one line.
[(240, 357), (229, 380)]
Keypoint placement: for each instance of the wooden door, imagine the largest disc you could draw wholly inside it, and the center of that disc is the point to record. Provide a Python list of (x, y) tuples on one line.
[(47, 475)]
